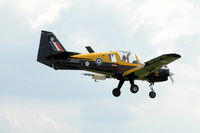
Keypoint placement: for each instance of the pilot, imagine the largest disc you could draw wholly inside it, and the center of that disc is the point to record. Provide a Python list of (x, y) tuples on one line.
[(124, 58)]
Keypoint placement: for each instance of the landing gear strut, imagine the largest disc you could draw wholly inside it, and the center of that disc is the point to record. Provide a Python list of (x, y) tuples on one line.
[(116, 92), (152, 93), (134, 88)]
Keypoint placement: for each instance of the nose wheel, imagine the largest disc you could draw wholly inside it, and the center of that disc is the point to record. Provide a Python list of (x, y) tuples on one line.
[(152, 93)]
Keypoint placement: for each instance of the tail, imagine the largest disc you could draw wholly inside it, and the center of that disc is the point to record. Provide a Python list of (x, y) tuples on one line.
[(51, 50)]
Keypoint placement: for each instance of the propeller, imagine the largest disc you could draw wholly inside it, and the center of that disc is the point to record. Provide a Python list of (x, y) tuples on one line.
[(170, 75)]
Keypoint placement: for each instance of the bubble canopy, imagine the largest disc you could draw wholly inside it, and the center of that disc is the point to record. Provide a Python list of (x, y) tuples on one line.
[(129, 57)]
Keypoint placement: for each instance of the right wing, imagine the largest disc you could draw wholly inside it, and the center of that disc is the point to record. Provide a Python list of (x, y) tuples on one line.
[(155, 64)]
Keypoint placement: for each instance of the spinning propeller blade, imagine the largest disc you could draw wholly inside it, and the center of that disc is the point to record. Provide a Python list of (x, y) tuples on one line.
[(172, 79), (170, 75)]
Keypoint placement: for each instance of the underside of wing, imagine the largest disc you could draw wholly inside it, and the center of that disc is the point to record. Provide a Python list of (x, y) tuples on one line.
[(155, 64)]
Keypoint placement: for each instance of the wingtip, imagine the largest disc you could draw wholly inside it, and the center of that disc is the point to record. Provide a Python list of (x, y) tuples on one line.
[(174, 55), (177, 55)]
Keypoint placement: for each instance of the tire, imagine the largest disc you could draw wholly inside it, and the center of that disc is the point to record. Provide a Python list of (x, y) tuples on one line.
[(134, 88), (116, 92), (152, 94)]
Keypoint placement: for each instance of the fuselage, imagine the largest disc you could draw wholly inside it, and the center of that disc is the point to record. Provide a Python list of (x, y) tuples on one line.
[(108, 63)]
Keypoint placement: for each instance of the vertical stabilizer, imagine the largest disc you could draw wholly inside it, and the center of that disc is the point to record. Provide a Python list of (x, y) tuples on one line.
[(49, 45)]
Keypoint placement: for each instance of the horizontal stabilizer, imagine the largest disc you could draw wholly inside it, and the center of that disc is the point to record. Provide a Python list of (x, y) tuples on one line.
[(89, 49)]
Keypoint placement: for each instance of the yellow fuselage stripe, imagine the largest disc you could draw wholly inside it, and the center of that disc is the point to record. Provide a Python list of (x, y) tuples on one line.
[(105, 58)]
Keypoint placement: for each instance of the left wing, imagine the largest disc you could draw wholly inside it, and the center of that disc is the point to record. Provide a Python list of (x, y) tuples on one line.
[(154, 64)]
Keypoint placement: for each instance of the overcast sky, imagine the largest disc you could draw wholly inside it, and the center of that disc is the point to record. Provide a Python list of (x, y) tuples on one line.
[(37, 99)]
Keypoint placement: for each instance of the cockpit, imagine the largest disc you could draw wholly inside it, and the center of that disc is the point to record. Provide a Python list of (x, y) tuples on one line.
[(129, 57)]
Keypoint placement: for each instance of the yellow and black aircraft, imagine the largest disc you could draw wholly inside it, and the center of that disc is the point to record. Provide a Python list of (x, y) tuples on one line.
[(120, 65)]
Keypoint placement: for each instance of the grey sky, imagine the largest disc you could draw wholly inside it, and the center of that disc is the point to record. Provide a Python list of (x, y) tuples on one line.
[(35, 98)]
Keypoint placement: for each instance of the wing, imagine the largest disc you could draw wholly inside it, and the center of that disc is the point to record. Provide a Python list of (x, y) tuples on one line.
[(155, 64)]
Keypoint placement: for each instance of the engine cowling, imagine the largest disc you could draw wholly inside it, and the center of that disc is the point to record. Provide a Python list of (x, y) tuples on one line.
[(159, 76)]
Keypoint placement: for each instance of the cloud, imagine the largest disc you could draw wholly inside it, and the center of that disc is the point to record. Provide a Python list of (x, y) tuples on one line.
[(79, 40), (38, 13), (164, 21), (48, 16), (82, 39), (39, 116)]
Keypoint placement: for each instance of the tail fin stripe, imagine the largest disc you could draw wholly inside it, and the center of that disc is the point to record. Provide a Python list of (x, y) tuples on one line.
[(53, 46), (58, 46)]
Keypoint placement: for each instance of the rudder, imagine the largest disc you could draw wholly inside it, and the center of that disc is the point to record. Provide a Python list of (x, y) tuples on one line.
[(49, 45)]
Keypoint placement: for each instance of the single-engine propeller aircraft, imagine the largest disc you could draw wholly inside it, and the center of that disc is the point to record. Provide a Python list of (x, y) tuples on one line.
[(120, 65)]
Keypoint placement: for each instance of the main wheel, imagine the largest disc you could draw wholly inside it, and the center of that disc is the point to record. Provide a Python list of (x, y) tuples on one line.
[(116, 92), (134, 88), (152, 94)]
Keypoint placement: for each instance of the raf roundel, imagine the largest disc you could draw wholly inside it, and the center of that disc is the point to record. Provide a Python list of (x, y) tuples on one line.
[(87, 63), (99, 61)]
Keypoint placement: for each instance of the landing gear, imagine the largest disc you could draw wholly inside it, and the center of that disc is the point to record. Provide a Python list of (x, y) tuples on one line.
[(116, 92), (134, 88), (152, 93)]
